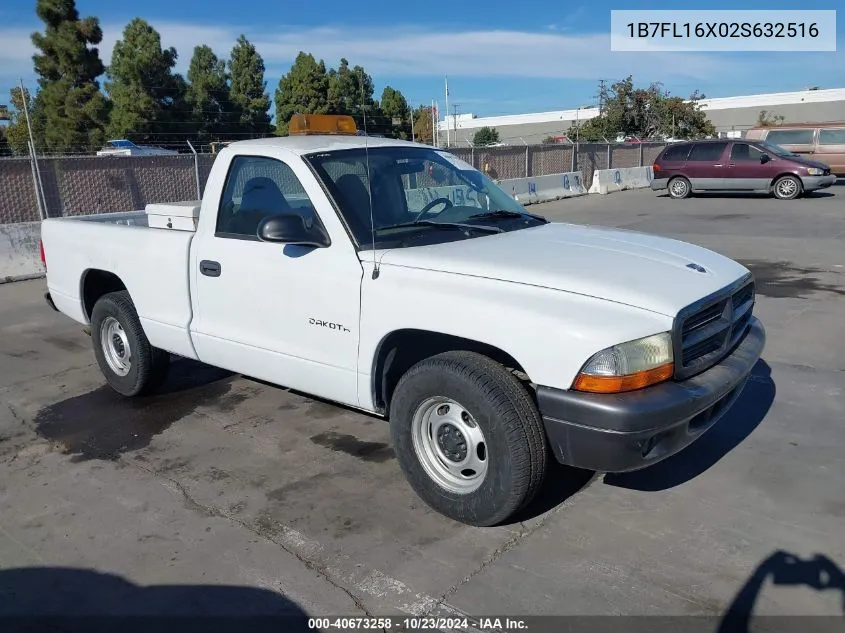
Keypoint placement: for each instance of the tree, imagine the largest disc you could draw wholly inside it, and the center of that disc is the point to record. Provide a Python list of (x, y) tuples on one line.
[(5, 149), (248, 90), (207, 96), (423, 125), (395, 108), (767, 119), (485, 136), (147, 98), (17, 133), (645, 113), (67, 63), (303, 90)]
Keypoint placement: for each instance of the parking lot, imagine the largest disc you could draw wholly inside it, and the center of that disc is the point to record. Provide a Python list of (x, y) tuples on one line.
[(296, 504)]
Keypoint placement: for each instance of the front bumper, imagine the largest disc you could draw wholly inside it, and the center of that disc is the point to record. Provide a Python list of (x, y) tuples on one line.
[(811, 183), (629, 431)]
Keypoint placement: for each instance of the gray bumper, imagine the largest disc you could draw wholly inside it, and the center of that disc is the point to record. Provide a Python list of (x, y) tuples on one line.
[(629, 431), (811, 183), (659, 183)]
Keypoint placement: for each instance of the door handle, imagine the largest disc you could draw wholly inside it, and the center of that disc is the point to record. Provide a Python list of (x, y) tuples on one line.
[(210, 268)]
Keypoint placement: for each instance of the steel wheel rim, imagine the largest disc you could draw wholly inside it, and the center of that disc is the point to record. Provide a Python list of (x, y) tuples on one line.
[(115, 345), (786, 187), (449, 445), (679, 188)]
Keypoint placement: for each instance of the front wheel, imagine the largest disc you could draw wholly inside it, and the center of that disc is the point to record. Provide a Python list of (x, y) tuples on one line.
[(468, 437), (787, 188), (129, 363)]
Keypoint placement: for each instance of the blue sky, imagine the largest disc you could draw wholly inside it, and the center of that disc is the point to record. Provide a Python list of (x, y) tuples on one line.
[(502, 57)]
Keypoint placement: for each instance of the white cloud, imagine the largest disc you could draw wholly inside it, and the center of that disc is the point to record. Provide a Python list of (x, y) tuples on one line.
[(403, 51)]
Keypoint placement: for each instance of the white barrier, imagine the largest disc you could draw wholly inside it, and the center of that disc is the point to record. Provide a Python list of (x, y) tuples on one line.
[(609, 180), (460, 195), (20, 255), (545, 188)]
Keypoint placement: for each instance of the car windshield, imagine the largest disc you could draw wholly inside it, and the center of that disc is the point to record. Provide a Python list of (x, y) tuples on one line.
[(777, 150), (415, 195)]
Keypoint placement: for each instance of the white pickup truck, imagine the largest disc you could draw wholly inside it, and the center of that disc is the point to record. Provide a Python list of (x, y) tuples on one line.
[(394, 278)]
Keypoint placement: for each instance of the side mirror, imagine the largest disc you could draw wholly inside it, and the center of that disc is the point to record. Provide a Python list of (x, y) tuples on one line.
[(765, 158), (292, 229)]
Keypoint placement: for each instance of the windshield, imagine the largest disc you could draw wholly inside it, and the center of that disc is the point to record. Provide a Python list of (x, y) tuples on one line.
[(419, 195), (777, 150)]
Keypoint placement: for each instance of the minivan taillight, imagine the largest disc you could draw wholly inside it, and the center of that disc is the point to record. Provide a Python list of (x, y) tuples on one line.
[(43, 256), (656, 167)]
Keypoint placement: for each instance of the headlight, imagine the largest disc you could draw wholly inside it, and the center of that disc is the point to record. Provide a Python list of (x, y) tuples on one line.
[(815, 171), (628, 366)]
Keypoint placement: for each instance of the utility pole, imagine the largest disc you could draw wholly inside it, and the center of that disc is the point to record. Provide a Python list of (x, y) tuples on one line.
[(446, 118), (455, 107), (410, 107), (39, 187)]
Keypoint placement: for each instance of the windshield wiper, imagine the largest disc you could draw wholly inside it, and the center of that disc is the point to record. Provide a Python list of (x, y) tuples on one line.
[(506, 214), (444, 225)]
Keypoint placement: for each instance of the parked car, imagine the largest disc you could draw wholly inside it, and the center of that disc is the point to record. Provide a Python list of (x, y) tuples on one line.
[(491, 339), (737, 165), (818, 141), (122, 147)]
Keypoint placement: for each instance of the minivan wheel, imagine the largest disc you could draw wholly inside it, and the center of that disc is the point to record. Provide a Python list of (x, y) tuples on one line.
[(679, 187), (787, 188)]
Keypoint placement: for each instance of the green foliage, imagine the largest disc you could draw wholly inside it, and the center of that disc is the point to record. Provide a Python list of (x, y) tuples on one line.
[(767, 119), (69, 101), (485, 136), (248, 90), (17, 134), (207, 96), (147, 98), (5, 150), (395, 108), (645, 113), (303, 90)]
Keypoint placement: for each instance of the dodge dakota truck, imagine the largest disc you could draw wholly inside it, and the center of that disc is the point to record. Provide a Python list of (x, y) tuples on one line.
[(394, 278)]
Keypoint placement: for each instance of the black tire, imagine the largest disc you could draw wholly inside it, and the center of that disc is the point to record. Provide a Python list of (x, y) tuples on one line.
[(147, 365), (498, 402), (787, 188), (681, 189)]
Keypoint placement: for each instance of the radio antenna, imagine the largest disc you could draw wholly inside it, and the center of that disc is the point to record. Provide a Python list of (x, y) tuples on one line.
[(369, 180)]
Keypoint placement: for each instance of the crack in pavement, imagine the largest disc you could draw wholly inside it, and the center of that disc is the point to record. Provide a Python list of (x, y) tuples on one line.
[(213, 511), (510, 544)]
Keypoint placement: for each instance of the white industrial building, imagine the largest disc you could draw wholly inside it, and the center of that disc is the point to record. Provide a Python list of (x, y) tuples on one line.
[(730, 115)]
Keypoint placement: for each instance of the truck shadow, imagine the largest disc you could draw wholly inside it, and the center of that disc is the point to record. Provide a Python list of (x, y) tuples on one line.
[(728, 433), (782, 568), (71, 599)]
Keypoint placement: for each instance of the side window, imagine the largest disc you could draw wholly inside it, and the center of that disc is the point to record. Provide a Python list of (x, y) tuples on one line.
[(790, 137), (832, 136), (258, 187), (676, 152), (742, 152), (707, 151)]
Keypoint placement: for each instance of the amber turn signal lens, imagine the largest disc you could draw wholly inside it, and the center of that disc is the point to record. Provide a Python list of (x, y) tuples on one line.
[(619, 384)]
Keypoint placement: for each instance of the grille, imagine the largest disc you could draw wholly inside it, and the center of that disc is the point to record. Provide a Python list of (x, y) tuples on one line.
[(709, 332)]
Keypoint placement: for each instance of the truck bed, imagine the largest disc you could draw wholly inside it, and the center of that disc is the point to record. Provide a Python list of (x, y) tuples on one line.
[(153, 264)]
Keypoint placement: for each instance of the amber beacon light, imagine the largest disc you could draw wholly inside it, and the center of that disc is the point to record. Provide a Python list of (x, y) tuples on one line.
[(303, 124)]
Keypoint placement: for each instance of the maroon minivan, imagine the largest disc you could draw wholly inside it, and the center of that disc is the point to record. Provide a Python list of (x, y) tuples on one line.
[(737, 165)]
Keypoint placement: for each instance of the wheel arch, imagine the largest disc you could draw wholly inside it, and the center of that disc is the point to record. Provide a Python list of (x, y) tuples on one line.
[(95, 283), (400, 349)]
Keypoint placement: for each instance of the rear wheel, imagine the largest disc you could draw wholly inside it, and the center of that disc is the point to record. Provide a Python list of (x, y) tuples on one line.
[(787, 188), (129, 363), (468, 437), (679, 187)]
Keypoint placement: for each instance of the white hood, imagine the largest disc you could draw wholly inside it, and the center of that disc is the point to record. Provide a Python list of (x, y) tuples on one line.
[(627, 267)]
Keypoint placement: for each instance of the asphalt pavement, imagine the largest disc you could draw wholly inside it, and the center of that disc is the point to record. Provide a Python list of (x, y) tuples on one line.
[(247, 496)]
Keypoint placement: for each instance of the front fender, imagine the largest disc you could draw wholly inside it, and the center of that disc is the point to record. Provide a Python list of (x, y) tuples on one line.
[(550, 333)]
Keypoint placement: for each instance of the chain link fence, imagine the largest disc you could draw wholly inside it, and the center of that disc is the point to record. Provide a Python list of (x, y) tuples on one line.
[(96, 184)]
